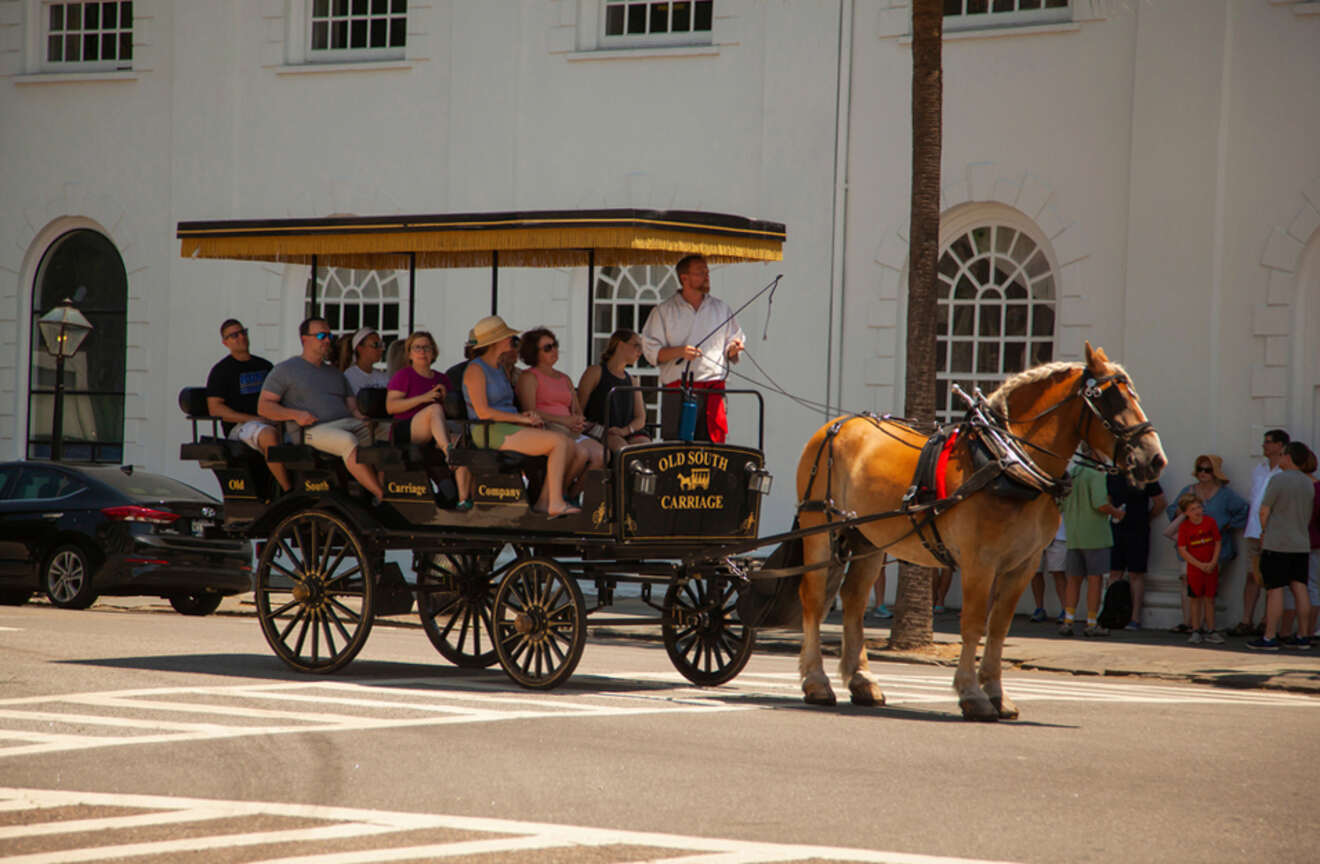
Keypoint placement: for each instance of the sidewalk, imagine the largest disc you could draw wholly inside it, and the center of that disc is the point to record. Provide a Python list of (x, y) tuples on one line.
[(1155, 654)]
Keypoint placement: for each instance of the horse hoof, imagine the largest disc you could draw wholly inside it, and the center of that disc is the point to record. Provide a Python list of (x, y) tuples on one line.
[(979, 710), (867, 696), (827, 699), (1005, 708)]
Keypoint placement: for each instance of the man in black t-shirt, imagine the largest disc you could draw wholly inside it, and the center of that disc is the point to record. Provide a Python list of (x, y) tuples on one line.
[(232, 391), (1131, 550)]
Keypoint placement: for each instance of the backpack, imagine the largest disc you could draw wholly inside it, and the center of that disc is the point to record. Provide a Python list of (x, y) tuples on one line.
[(1116, 610)]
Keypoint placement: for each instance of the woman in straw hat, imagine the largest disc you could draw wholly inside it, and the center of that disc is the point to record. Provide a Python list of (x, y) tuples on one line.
[(489, 396), (1222, 504)]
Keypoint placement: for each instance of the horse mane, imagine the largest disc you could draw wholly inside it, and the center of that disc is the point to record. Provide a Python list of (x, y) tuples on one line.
[(1047, 371)]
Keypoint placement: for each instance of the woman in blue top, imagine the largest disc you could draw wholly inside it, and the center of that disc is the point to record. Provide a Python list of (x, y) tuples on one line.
[(489, 396)]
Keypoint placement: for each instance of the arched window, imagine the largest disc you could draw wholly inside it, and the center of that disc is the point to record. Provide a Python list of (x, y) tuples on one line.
[(625, 296), (349, 299), (85, 267), (996, 311)]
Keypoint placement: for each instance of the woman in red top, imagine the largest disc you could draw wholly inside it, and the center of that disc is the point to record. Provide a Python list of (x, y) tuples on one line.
[(416, 393), (1198, 545), (550, 393)]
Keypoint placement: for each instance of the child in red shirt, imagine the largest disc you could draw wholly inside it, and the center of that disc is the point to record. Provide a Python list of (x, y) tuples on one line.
[(1198, 545)]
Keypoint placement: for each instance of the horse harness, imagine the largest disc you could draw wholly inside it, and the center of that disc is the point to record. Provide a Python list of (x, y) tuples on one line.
[(1000, 463)]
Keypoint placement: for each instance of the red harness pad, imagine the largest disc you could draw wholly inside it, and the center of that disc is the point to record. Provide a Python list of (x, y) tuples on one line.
[(941, 466)]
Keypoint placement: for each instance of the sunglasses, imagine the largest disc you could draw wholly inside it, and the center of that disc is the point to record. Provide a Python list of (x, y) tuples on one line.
[(1204, 469), (551, 346), (234, 334), (320, 337), (423, 349)]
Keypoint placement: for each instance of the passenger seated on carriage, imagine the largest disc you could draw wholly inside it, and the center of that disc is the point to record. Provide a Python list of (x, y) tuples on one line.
[(358, 356), (550, 393), (489, 396), (232, 390), (416, 394), (627, 410)]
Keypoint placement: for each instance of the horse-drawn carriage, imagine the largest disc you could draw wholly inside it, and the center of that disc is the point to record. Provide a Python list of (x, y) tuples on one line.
[(677, 515), (647, 518)]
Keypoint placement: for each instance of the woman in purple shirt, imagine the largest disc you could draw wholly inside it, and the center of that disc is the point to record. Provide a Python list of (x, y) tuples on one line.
[(416, 393)]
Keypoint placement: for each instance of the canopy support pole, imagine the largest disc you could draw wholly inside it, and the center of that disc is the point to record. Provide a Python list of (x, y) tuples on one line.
[(591, 301), (412, 290), (495, 282), (311, 288)]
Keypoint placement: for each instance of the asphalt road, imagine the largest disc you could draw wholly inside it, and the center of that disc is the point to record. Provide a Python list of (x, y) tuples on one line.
[(146, 736)]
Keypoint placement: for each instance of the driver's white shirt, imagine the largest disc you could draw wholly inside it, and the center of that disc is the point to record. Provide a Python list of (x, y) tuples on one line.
[(674, 323), (1260, 478)]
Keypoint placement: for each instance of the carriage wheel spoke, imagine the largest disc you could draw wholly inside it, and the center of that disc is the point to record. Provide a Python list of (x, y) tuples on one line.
[(339, 625), (285, 608), (354, 615), (329, 637), (352, 571), (293, 622), (302, 634)]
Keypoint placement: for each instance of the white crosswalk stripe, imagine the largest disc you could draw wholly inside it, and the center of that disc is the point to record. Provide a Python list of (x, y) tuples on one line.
[(77, 721), (192, 821)]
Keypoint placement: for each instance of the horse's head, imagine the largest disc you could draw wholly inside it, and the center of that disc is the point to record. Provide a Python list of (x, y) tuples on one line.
[(1113, 422)]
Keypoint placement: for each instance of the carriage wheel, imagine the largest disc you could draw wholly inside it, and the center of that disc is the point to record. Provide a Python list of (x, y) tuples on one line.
[(704, 635), (315, 592), (457, 611), (540, 624)]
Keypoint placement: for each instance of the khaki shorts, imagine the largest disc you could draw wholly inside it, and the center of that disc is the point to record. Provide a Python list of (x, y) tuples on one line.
[(249, 431), (338, 437)]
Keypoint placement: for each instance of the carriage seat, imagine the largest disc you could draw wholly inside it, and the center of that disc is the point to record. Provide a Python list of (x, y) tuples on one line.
[(214, 450), (400, 451)]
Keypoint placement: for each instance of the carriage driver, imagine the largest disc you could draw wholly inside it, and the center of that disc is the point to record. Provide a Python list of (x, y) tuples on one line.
[(232, 389), (673, 328), (316, 396)]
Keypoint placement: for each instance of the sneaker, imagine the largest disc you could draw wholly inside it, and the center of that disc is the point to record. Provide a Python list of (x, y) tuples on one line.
[(1214, 637), (1263, 644), (1094, 630), (1181, 628), (1132, 625), (878, 613), (1195, 638), (1298, 642), (1063, 616), (1241, 629), (1038, 616), (939, 610), (1066, 628)]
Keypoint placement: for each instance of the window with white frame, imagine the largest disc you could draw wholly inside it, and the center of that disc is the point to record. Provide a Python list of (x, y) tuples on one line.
[(632, 23), (88, 36), (349, 299), (996, 304), (979, 14), (340, 30), (624, 297)]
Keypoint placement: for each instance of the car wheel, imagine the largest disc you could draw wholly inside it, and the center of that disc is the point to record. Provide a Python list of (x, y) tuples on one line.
[(195, 604), (67, 578), (14, 596)]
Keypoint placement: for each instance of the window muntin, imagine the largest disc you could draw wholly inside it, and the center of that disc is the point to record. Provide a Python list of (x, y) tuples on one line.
[(633, 23), (341, 30), (85, 267), (624, 297), (350, 299), (88, 36), (996, 312), (980, 14)]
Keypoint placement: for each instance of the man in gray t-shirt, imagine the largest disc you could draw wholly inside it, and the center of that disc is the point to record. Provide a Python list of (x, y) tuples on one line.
[(304, 390), (1285, 512)]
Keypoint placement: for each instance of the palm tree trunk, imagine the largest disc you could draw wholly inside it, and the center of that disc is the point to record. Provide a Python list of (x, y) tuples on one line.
[(912, 617)]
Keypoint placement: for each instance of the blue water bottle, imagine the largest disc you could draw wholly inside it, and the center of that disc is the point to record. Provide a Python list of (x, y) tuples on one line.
[(687, 419)]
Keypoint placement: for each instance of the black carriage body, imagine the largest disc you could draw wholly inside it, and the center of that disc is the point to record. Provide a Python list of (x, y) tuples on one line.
[(701, 493)]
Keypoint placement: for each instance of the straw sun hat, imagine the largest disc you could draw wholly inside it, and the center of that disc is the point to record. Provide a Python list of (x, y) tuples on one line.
[(488, 331), (1216, 466)]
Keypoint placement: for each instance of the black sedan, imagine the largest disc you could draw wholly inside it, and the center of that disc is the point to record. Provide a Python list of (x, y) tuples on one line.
[(77, 532)]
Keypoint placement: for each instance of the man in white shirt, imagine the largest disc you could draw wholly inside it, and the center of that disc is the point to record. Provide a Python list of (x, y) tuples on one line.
[(1272, 448), (693, 333)]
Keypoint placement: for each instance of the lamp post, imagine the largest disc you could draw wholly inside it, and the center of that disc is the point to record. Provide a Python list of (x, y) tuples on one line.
[(63, 329)]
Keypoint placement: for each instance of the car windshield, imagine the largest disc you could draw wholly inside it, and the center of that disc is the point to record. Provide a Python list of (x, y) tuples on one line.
[(155, 487)]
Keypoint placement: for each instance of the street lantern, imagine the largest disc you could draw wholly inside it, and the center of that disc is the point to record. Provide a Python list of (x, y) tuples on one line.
[(63, 329)]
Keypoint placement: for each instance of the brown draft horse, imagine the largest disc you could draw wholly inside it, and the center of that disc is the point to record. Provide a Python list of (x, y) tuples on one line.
[(996, 541)]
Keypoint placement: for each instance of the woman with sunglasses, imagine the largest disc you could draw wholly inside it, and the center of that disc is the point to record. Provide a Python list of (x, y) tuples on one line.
[(627, 414), (489, 396), (416, 393), (550, 393), (1222, 504), (358, 357)]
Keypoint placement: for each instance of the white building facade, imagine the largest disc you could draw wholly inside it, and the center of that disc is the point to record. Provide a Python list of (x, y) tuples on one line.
[(1144, 175)]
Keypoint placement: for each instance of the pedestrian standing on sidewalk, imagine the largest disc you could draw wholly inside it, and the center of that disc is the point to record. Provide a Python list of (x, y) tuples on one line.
[(1313, 571), (880, 612), (1198, 545), (1222, 504), (1085, 513), (1292, 625), (1285, 514), (1053, 560), (1272, 447), (1131, 535)]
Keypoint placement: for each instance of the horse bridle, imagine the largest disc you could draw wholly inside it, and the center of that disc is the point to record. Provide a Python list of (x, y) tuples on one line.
[(1106, 403)]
